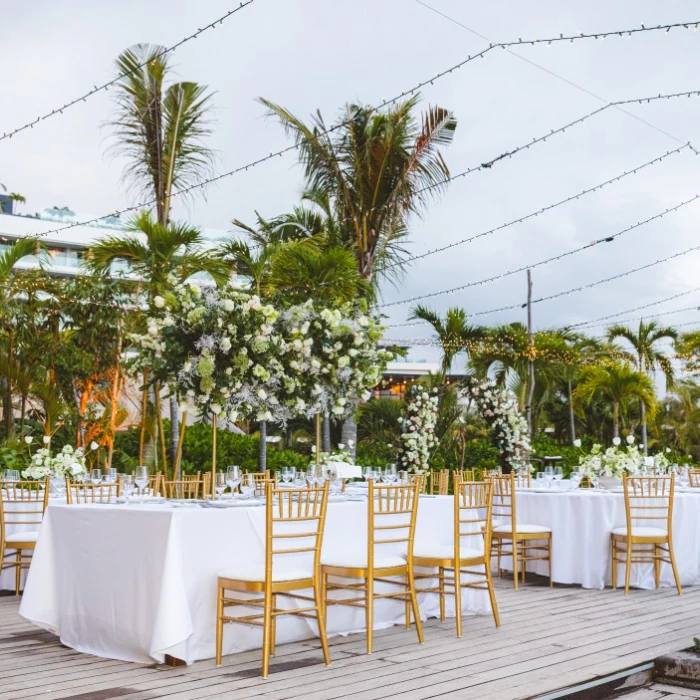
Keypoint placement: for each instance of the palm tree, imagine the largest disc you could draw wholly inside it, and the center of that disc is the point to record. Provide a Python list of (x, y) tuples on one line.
[(454, 332), (18, 198), (647, 357), (619, 383), (156, 251), (159, 130)]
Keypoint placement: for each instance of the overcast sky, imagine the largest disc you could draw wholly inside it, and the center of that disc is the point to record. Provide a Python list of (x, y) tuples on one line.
[(309, 54)]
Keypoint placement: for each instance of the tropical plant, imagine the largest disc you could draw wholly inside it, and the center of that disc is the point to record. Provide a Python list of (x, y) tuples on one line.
[(646, 355)]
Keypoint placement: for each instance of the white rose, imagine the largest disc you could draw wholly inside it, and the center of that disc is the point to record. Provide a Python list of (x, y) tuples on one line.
[(577, 442), (215, 408), (94, 446), (226, 344), (616, 441), (228, 305), (630, 439), (159, 302), (29, 439), (47, 439), (262, 394)]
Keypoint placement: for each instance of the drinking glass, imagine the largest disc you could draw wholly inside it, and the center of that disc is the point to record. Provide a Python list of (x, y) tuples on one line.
[(575, 479), (300, 479), (335, 485), (58, 485), (558, 475), (549, 476), (390, 474), (540, 479), (378, 475), (288, 474), (113, 476), (220, 484), (12, 475), (248, 485), (313, 475), (141, 479), (367, 473), (233, 477), (403, 477), (128, 485), (96, 476)]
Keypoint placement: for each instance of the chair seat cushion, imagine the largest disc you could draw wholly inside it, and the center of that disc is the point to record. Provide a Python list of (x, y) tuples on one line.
[(358, 560), (256, 573), (31, 536), (445, 551), (640, 532), (523, 529)]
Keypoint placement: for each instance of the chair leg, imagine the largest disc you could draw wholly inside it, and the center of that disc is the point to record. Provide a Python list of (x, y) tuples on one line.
[(324, 599), (219, 624), (657, 566), (414, 605), (369, 611), (18, 570), (273, 625), (613, 561), (458, 598), (319, 593), (514, 549), (523, 555), (500, 547), (492, 595), (267, 630), (628, 566), (672, 558), (551, 573), (441, 594)]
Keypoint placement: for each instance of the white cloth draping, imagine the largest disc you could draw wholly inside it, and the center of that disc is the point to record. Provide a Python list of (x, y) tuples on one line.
[(581, 522), (135, 583)]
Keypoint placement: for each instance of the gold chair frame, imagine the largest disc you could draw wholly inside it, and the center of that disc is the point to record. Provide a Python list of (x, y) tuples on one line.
[(78, 493), (384, 503), (190, 486), (649, 549), (522, 481), (440, 482), (472, 510), (694, 478), (463, 475), (305, 505), (421, 479), (34, 502), (535, 546)]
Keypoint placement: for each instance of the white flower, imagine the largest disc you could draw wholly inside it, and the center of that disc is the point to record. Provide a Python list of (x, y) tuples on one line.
[(29, 439), (47, 439), (226, 344), (158, 302), (341, 446), (228, 305), (577, 442), (262, 394), (215, 408), (94, 446), (616, 441), (630, 439)]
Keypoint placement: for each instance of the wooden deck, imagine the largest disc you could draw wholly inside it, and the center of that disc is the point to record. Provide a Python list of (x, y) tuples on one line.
[(549, 639)]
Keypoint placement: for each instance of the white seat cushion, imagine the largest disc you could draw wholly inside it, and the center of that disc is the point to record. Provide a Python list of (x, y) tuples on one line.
[(256, 572), (445, 551), (358, 560), (32, 536), (523, 529), (640, 532)]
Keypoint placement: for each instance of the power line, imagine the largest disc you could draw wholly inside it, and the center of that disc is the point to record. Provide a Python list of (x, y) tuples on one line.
[(105, 86), (405, 93), (538, 212), (493, 278)]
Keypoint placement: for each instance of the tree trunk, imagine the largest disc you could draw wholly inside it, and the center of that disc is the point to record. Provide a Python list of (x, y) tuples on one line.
[(23, 412), (144, 414), (616, 419), (326, 433), (572, 421), (349, 435), (644, 426), (9, 411), (161, 431), (174, 430), (262, 453)]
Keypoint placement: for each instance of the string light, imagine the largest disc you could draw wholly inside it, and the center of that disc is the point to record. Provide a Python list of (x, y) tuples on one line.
[(549, 207), (694, 307), (386, 103), (105, 86), (606, 239)]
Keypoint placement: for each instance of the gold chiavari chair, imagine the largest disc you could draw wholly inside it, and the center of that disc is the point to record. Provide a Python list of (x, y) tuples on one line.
[(78, 493), (155, 483), (694, 478), (190, 486), (463, 475), (420, 479), (22, 503), (295, 521), (439, 482), (392, 512), (648, 499), (470, 550), (522, 481), (527, 542)]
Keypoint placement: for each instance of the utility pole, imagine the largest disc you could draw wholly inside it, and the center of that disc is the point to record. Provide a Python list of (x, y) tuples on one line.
[(530, 356)]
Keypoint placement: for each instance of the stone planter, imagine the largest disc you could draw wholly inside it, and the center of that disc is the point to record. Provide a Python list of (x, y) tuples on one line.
[(680, 668)]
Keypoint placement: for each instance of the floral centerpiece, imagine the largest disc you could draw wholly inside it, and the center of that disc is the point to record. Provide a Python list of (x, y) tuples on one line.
[(336, 462), (508, 426), (68, 462), (418, 439)]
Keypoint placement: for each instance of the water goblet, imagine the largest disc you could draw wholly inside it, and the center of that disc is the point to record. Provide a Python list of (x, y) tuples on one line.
[(128, 485), (541, 480), (558, 475), (248, 485), (12, 475), (300, 479), (390, 474), (220, 484), (96, 476), (549, 476), (378, 475), (141, 479), (575, 478), (403, 477), (367, 473), (233, 478)]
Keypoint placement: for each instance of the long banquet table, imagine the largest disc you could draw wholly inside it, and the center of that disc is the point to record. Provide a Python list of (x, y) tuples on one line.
[(581, 522), (137, 582)]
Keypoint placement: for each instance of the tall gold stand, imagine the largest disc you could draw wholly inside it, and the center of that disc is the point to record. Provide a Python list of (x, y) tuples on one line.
[(318, 439), (213, 455)]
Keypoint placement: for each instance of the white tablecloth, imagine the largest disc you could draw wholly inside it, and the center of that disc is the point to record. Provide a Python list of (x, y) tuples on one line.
[(581, 522), (135, 583)]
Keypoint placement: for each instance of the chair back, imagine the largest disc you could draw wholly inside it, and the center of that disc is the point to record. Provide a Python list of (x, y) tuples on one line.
[(439, 482), (155, 484), (184, 488), (503, 500), (78, 493), (694, 478), (464, 475), (392, 511), (420, 479), (649, 501), (22, 503), (522, 481), (295, 521), (473, 501)]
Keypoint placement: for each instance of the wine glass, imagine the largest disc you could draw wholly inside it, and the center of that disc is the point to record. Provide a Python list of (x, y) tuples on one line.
[(96, 476), (313, 475), (378, 475), (288, 474), (300, 479), (558, 475), (233, 478), (549, 476), (390, 474), (12, 475), (128, 485), (367, 473), (575, 478), (220, 484), (248, 485), (540, 479), (58, 484), (141, 479), (403, 477), (113, 476)]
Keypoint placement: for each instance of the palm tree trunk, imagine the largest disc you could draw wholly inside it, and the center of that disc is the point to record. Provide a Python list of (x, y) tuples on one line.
[(572, 422), (174, 430), (349, 435), (161, 431), (8, 406), (326, 433), (262, 453), (644, 426), (616, 419), (144, 414)]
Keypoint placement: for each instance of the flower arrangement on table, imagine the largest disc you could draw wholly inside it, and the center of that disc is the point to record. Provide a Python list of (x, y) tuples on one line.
[(507, 425), (418, 439), (337, 462), (618, 460), (68, 462)]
